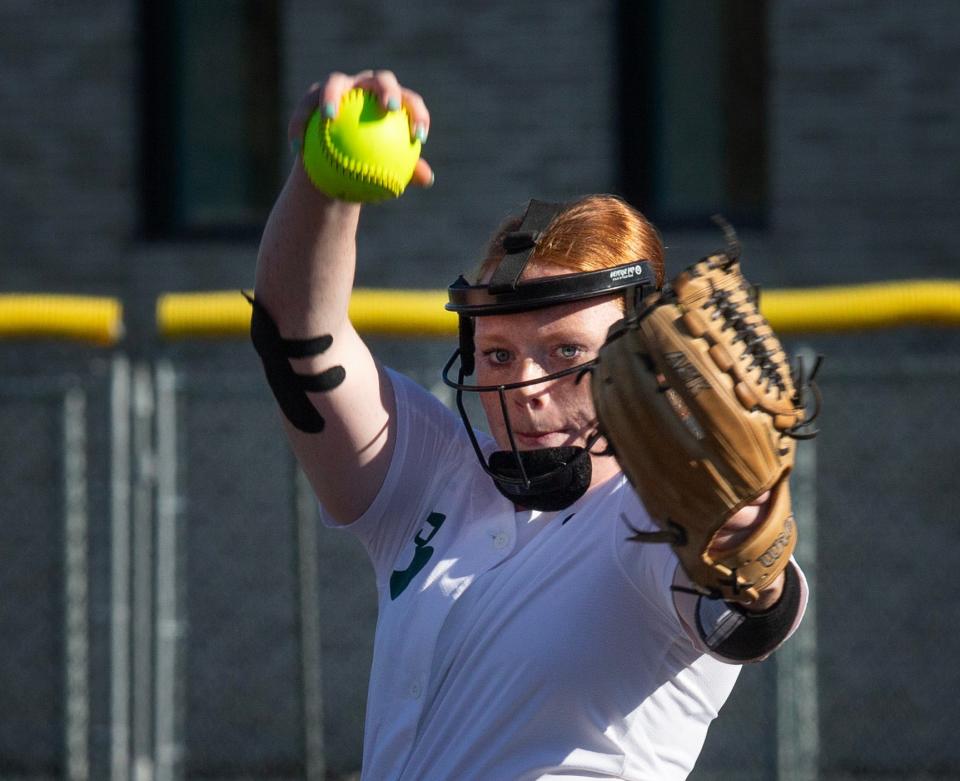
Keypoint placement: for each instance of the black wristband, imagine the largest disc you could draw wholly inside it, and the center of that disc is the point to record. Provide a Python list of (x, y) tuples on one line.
[(757, 634)]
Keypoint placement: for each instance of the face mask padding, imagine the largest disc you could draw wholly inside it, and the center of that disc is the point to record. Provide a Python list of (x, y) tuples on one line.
[(557, 476)]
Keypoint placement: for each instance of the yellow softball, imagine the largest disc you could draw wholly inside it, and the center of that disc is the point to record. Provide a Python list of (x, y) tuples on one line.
[(364, 154)]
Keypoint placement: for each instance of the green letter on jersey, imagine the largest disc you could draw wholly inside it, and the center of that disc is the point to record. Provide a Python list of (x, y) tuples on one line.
[(421, 555)]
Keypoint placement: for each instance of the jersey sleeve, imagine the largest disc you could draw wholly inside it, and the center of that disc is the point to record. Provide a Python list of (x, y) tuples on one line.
[(429, 445)]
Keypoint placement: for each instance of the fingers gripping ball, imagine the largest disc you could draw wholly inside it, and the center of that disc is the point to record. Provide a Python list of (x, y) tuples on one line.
[(364, 153)]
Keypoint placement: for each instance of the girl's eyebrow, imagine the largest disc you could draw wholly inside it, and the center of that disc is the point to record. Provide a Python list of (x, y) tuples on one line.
[(496, 336), (567, 335)]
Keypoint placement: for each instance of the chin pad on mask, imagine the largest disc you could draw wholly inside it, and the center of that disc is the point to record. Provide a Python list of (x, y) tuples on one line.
[(558, 476)]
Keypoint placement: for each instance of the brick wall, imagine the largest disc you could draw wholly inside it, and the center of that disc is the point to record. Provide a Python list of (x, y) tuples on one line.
[(863, 113), (67, 134), (865, 108)]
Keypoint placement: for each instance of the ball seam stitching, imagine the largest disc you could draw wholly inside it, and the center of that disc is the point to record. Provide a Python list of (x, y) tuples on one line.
[(371, 174)]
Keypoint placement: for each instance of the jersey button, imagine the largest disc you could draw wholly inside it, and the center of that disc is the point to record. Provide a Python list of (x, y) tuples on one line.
[(415, 690), (500, 541)]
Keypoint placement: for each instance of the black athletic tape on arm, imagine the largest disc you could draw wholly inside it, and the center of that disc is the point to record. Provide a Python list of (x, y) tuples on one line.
[(757, 634), (289, 388)]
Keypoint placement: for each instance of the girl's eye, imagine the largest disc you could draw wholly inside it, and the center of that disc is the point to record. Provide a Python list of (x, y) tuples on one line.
[(498, 356), (569, 351)]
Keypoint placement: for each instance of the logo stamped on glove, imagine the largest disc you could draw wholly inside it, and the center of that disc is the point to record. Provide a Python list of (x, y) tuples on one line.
[(771, 554)]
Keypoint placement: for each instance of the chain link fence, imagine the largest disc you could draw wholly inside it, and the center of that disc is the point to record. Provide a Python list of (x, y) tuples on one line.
[(170, 609)]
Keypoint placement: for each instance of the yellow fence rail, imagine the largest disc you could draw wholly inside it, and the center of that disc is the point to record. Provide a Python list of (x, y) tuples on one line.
[(934, 302), (417, 313), (76, 318), (420, 313)]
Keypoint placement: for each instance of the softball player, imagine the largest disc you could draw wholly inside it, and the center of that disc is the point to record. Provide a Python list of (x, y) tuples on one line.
[(521, 634)]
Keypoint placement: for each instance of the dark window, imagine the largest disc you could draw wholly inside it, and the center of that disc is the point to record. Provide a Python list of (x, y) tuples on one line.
[(211, 135), (693, 108)]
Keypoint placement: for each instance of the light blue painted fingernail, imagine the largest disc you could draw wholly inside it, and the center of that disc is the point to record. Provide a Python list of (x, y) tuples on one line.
[(329, 110), (393, 104), (420, 132)]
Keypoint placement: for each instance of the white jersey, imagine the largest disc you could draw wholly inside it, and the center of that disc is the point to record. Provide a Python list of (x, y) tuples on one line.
[(514, 646)]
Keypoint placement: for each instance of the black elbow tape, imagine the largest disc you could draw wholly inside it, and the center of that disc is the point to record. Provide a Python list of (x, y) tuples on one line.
[(757, 634), (289, 388)]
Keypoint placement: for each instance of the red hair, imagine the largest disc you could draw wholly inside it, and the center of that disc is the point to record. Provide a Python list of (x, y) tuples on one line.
[(594, 232)]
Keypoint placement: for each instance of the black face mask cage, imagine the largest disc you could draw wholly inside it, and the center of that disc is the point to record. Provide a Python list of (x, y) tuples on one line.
[(548, 478), (524, 482)]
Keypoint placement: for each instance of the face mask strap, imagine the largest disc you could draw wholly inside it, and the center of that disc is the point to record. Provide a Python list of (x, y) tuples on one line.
[(521, 243)]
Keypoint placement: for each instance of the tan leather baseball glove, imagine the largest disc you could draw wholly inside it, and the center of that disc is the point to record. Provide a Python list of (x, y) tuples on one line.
[(698, 402)]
